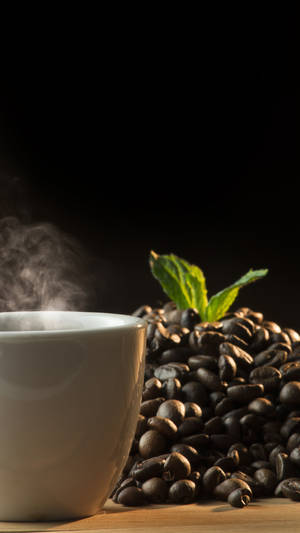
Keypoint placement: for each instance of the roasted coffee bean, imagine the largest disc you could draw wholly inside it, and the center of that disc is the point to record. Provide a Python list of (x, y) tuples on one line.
[(152, 443), (221, 441), (271, 326), (291, 425), (210, 380), (197, 440), (295, 456), (293, 441), (261, 464), (291, 488), (142, 311), (290, 371), (223, 489), (278, 448), (236, 341), (148, 468), (202, 361), (245, 457), (215, 397), (269, 376), (242, 358), (233, 427), (209, 326), (194, 391), (149, 407), (155, 490), (176, 466), (152, 389), (182, 491), (267, 479), (224, 406), (172, 409), (293, 335), (262, 406), (188, 451), (179, 354), (141, 426), (132, 496), (227, 463), (189, 318), (280, 337), (284, 466), (193, 340), (192, 409), (214, 425), (245, 393), (237, 412), (171, 370), (257, 489), (227, 367), (211, 478), (163, 425), (209, 342), (239, 327), (258, 451), (260, 340), (190, 426), (239, 498), (290, 393), (172, 389)]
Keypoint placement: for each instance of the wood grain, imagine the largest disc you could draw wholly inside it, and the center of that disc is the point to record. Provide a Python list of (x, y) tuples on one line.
[(269, 515)]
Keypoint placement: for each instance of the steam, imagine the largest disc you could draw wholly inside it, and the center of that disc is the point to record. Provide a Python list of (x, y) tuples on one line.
[(41, 268)]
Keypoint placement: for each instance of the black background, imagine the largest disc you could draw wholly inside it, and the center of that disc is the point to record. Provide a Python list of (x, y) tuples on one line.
[(178, 136)]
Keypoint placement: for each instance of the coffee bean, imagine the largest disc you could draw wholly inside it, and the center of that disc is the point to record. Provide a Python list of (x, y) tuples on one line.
[(222, 491), (194, 391), (132, 496), (148, 468), (176, 466), (210, 380), (189, 318), (293, 441), (211, 478), (188, 451), (269, 376), (290, 393), (152, 443), (295, 456), (172, 389), (239, 498), (190, 425), (284, 466), (192, 409), (179, 354), (290, 371), (163, 425), (202, 361), (155, 490), (245, 393), (267, 479), (291, 488), (182, 491), (262, 406), (149, 407), (241, 357), (227, 367), (260, 340), (172, 409)]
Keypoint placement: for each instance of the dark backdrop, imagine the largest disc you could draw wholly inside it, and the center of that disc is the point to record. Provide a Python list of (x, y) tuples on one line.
[(176, 143)]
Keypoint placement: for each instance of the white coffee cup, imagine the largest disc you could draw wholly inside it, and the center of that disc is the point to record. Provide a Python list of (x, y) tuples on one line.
[(70, 393)]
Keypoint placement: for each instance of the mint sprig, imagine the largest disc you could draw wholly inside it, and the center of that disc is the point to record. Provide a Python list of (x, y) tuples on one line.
[(185, 284)]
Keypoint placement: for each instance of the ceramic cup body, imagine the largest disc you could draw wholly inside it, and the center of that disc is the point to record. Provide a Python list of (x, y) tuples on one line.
[(70, 392)]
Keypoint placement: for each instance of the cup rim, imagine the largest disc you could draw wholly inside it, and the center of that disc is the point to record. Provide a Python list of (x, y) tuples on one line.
[(121, 322)]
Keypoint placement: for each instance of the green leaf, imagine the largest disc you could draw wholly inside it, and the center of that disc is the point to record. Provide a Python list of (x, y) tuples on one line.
[(219, 304), (182, 282)]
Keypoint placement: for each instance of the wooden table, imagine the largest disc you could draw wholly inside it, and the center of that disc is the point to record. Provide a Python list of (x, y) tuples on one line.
[(268, 516)]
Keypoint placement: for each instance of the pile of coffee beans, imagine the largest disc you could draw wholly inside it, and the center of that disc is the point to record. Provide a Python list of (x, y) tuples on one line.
[(220, 411)]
